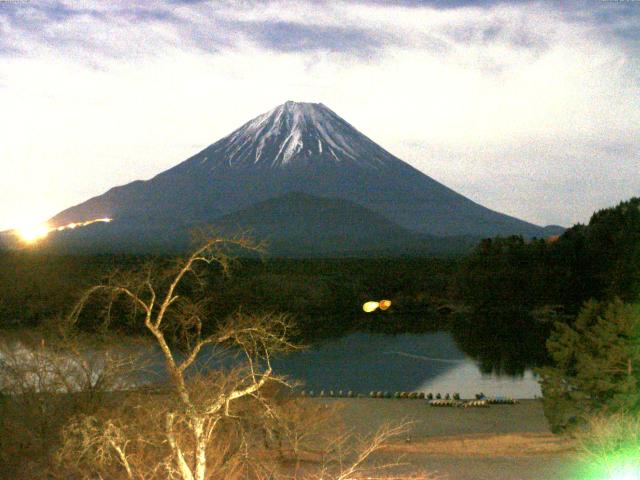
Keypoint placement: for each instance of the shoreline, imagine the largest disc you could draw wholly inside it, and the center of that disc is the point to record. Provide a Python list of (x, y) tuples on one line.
[(500, 442)]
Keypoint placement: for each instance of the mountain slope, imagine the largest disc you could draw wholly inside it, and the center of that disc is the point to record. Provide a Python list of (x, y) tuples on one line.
[(296, 147), (293, 225), (297, 224)]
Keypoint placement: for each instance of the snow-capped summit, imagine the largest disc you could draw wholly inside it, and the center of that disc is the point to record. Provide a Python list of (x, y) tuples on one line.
[(294, 132)]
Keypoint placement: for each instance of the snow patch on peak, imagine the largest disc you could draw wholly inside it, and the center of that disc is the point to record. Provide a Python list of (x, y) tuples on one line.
[(297, 132)]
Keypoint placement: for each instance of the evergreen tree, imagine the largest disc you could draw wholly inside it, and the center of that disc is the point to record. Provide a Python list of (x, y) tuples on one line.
[(600, 260), (596, 365)]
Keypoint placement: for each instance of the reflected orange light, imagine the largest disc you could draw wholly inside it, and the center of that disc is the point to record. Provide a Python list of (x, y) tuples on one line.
[(384, 304)]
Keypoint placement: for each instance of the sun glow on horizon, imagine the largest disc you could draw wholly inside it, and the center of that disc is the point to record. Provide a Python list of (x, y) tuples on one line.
[(34, 232)]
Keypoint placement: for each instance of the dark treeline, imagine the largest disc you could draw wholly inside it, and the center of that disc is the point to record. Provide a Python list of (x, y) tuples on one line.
[(505, 290), (36, 287), (600, 260), (325, 296), (516, 290)]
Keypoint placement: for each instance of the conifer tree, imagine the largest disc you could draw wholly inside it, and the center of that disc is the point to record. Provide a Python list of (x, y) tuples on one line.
[(596, 365)]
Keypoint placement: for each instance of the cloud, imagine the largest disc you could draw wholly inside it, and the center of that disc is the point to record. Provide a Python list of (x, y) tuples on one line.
[(130, 30), (446, 4), (295, 37), (97, 32), (529, 107)]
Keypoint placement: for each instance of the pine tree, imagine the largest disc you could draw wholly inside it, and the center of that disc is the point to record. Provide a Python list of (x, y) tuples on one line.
[(596, 365)]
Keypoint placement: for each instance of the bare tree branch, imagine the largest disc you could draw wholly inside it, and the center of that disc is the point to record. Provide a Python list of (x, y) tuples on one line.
[(166, 310)]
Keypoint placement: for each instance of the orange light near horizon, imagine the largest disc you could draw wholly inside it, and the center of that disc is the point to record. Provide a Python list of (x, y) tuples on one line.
[(369, 307), (33, 233), (384, 304)]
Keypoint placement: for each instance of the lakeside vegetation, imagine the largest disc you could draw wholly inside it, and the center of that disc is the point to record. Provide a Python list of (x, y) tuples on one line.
[(65, 414), (600, 260), (502, 280), (38, 287), (503, 303)]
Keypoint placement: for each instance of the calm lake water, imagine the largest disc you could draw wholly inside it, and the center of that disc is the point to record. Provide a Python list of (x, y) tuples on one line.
[(362, 362), (427, 362)]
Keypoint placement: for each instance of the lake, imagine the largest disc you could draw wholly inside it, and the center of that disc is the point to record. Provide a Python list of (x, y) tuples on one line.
[(426, 362), (362, 362)]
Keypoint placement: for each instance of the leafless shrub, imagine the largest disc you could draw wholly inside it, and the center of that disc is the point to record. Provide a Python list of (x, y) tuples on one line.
[(45, 379)]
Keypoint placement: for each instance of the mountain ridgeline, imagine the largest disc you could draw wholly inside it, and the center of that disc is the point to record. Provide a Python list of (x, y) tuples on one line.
[(300, 176)]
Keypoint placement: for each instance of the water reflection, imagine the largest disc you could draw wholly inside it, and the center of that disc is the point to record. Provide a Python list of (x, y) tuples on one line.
[(429, 362), (369, 361), (467, 379), (503, 343), (493, 354)]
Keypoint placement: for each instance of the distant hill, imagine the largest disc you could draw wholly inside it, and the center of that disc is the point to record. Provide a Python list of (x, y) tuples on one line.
[(298, 224), (293, 225), (551, 230)]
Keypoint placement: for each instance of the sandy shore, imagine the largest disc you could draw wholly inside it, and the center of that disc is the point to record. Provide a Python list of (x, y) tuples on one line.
[(502, 442)]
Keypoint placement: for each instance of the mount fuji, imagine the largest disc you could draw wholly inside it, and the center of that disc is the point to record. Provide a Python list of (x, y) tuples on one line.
[(296, 154)]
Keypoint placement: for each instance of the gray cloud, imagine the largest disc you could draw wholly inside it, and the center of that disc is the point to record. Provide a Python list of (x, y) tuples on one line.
[(445, 4), (199, 27), (291, 37), (620, 19), (517, 33), (130, 30)]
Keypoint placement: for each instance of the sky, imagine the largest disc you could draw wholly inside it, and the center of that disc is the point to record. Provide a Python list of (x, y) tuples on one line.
[(529, 108)]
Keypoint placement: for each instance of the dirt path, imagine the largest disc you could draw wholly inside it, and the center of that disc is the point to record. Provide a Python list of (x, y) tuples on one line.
[(512, 456), (487, 445)]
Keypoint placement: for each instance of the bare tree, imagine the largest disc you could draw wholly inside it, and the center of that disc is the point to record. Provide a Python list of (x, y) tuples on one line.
[(47, 377), (169, 314)]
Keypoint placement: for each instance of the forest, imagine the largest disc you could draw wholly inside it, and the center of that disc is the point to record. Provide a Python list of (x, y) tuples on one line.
[(537, 279)]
